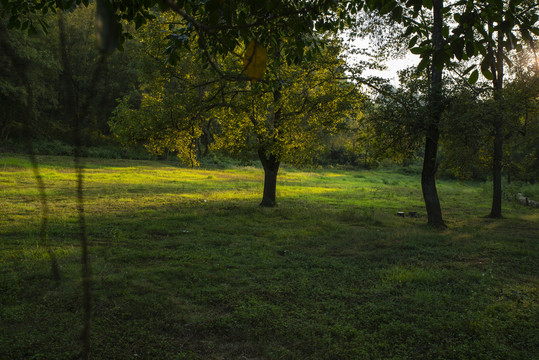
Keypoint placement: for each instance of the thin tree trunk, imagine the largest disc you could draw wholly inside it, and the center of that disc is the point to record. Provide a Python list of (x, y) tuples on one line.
[(430, 166), (497, 155), (496, 209), (271, 168)]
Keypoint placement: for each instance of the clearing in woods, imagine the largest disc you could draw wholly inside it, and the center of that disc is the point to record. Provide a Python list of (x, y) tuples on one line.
[(187, 266)]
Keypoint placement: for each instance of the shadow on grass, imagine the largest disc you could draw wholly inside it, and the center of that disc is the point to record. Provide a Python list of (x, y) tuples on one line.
[(231, 280)]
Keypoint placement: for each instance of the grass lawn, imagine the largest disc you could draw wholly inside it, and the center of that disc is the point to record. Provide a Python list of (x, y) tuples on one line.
[(187, 266)]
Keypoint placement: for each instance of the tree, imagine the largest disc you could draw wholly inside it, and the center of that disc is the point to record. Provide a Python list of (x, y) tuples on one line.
[(172, 109), (522, 96), (397, 116), (468, 128), (40, 53), (435, 50), (281, 117), (494, 29), (473, 34), (286, 118)]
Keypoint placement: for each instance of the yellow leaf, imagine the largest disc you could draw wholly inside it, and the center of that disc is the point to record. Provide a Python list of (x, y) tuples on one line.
[(255, 61)]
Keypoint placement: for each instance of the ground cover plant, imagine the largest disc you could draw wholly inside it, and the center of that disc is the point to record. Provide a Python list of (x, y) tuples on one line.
[(187, 266)]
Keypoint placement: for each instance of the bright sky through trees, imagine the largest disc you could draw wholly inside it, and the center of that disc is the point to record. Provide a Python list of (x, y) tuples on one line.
[(393, 65)]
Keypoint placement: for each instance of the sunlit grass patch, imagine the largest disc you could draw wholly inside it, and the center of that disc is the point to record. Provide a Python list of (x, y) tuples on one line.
[(35, 252)]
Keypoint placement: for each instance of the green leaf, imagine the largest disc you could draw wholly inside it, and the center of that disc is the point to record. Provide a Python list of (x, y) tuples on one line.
[(445, 32), (427, 4), (487, 74), (480, 48), (14, 22), (417, 50), (423, 64), (139, 21), (413, 41), (409, 31), (44, 26), (163, 5), (473, 77), (387, 8), (526, 35), (457, 48), (397, 14)]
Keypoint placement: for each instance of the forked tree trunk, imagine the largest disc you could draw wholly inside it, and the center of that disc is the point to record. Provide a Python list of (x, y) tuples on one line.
[(430, 166), (271, 168)]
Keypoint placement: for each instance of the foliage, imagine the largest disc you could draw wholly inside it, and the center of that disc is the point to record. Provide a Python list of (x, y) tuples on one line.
[(40, 55), (522, 151), (183, 104), (41, 69), (219, 27), (173, 110), (399, 117), (468, 125), (313, 101)]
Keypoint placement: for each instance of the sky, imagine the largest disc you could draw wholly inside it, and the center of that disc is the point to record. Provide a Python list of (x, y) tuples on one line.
[(393, 65)]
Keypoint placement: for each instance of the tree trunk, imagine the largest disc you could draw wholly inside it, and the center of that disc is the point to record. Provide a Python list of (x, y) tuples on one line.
[(428, 180), (430, 166), (496, 68), (271, 168), (497, 155), (269, 161), (496, 209)]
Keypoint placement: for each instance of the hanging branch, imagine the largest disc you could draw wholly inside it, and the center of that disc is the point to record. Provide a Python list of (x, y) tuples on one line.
[(78, 113), (21, 68)]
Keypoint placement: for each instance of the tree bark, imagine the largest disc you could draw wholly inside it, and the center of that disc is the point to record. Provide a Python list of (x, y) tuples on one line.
[(430, 166), (496, 209), (428, 179), (271, 168), (497, 155), (268, 159)]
